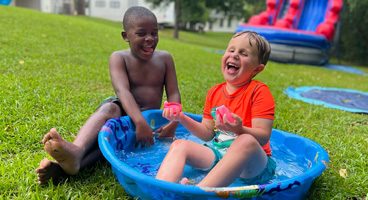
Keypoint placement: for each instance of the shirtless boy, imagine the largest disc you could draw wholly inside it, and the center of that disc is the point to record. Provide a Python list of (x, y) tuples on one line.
[(139, 76)]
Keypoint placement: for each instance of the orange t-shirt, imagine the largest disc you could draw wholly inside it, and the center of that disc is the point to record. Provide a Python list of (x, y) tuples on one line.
[(253, 100)]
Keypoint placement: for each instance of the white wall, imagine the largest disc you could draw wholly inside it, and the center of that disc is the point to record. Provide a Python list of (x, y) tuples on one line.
[(114, 10), (222, 25), (32, 4), (108, 9), (46, 6)]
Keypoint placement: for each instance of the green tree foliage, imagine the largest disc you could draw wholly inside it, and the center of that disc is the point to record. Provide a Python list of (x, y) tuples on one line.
[(237, 8), (354, 37), (193, 12)]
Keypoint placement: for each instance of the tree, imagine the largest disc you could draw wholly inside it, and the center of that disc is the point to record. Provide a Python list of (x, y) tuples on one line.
[(81, 7), (157, 3), (193, 12), (354, 38), (198, 11)]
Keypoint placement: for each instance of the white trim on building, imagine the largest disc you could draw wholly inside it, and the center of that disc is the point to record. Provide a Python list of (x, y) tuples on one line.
[(48, 6), (114, 10)]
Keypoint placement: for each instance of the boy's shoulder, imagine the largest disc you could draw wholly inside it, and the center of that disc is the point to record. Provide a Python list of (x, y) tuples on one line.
[(162, 53)]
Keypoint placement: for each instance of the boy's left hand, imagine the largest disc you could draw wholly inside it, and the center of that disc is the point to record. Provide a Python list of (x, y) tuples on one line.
[(234, 127), (167, 130)]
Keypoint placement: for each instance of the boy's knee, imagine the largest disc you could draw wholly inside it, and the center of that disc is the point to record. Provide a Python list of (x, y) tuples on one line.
[(109, 110), (178, 146), (247, 141)]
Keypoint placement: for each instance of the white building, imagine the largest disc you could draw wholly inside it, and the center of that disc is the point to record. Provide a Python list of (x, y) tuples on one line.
[(49, 6), (114, 10)]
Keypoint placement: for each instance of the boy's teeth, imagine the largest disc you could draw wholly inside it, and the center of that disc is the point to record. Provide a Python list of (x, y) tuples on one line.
[(230, 65)]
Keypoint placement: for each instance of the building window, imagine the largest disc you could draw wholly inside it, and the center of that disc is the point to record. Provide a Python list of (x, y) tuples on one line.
[(114, 4), (100, 4), (221, 23), (229, 23), (132, 3)]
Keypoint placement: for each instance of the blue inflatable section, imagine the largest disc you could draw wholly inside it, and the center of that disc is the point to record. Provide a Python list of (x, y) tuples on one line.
[(304, 31), (343, 99), (287, 37), (5, 2), (313, 14), (118, 135)]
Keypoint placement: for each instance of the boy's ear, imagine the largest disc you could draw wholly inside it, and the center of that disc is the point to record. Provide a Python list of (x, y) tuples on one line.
[(125, 36), (259, 69)]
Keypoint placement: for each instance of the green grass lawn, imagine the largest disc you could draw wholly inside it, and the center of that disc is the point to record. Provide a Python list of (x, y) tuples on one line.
[(54, 73)]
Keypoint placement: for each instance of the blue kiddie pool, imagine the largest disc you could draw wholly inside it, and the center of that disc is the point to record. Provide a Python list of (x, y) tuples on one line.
[(5, 2), (299, 161)]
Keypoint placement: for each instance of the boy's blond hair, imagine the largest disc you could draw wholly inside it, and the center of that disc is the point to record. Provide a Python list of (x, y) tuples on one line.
[(264, 48)]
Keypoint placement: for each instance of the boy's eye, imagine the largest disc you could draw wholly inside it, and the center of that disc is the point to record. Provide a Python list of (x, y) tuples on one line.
[(154, 34), (141, 34)]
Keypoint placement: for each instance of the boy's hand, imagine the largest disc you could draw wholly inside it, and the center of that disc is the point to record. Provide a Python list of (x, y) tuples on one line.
[(167, 130), (172, 115), (235, 127), (144, 136)]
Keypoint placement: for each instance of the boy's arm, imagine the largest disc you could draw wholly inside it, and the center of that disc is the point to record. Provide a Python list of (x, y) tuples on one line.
[(171, 82), (120, 82), (172, 94), (261, 128), (203, 130)]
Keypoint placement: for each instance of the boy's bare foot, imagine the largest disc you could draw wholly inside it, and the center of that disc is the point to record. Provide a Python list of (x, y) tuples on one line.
[(50, 170), (184, 181), (67, 155)]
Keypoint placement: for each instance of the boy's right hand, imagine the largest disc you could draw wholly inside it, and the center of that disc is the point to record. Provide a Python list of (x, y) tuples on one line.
[(172, 111), (143, 135), (172, 115)]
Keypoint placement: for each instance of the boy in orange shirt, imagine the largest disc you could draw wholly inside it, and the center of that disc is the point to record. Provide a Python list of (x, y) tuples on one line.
[(240, 149)]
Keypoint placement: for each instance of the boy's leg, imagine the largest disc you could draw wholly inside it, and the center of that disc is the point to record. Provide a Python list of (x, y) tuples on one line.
[(245, 158), (71, 157), (52, 170), (184, 152)]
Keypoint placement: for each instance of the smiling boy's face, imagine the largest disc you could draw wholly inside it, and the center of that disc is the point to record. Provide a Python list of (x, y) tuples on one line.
[(240, 62), (142, 36)]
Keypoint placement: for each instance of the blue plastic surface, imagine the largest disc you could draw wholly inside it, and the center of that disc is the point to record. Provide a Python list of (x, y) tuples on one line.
[(118, 134), (344, 68), (5, 2), (338, 98)]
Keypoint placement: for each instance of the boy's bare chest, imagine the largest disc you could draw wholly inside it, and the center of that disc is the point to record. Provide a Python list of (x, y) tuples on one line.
[(147, 75)]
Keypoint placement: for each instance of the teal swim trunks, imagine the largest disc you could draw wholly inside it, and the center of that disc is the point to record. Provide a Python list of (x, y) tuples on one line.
[(218, 157), (264, 177)]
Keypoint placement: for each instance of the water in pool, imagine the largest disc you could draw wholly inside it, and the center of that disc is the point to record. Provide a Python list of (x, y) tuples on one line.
[(148, 160)]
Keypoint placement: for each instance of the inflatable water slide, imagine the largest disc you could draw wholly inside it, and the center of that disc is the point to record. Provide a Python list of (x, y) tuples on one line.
[(299, 31)]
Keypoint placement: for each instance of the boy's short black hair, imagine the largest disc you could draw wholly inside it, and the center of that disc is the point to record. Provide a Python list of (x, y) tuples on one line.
[(135, 12), (264, 48)]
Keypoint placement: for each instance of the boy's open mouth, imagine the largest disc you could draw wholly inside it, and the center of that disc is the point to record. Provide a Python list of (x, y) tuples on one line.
[(231, 68), (148, 49)]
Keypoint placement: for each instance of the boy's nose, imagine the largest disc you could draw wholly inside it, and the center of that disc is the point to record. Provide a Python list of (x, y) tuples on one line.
[(235, 55), (149, 38)]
